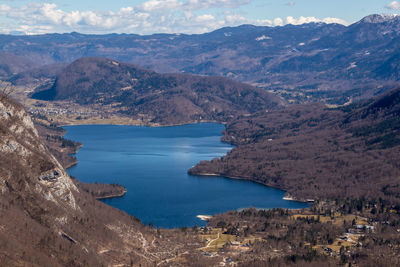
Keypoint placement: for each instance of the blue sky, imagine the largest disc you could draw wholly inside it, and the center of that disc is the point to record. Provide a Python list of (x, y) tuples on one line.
[(177, 16)]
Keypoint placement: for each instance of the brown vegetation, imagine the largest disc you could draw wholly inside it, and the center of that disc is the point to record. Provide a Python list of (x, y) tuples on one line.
[(150, 97), (318, 153), (100, 190), (52, 135), (356, 232)]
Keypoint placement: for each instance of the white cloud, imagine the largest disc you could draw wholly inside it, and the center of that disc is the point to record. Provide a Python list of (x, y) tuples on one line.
[(206, 4), (188, 15), (335, 20), (155, 5), (92, 19), (263, 22), (4, 8), (303, 20), (191, 5), (205, 18), (169, 16), (235, 19), (29, 29), (395, 5), (278, 22), (72, 18), (50, 11), (291, 3)]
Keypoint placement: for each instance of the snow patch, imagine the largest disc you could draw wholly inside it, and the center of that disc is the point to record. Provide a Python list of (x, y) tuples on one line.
[(380, 18), (352, 65), (263, 37)]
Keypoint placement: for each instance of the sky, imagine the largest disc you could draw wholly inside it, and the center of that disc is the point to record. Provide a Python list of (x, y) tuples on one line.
[(177, 16)]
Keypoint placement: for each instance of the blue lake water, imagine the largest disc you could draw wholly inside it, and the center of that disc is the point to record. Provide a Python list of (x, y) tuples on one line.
[(152, 164)]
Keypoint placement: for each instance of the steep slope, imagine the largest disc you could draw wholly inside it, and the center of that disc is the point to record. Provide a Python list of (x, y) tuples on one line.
[(162, 98), (377, 122), (310, 62), (11, 64), (318, 153), (45, 220), (34, 76)]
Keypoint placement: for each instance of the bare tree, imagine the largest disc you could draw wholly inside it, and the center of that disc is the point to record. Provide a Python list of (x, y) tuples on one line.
[(5, 90)]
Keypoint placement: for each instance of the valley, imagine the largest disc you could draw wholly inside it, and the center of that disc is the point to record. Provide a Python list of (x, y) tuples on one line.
[(249, 238), (311, 109)]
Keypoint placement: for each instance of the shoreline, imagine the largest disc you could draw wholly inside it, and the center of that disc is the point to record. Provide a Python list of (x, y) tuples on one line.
[(285, 197), (112, 196), (155, 125), (71, 164)]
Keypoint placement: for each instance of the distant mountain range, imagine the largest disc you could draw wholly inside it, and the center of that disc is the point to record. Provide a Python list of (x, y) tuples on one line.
[(160, 98), (309, 62)]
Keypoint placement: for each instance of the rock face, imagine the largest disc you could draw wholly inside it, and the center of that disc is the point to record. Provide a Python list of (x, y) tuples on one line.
[(19, 146)]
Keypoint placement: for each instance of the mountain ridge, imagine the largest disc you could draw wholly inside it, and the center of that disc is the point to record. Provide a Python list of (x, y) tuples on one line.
[(162, 98), (379, 18), (315, 62)]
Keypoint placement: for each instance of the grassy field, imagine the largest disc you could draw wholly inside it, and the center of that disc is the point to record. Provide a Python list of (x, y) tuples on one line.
[(217, 240)]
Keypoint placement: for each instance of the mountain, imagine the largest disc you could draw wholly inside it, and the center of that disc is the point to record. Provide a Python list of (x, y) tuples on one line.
[(163, 98), (310, 62), (42, 210), (318, 153), (11, 64), (378, 19), (37, 75)]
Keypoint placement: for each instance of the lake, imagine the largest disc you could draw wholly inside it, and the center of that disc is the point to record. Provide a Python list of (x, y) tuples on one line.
[(152, 164)]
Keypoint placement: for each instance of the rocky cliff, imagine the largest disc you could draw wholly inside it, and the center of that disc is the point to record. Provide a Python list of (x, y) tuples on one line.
[(21, 150)]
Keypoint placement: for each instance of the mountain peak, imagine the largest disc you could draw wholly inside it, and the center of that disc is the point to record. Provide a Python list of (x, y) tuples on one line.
[(376, 18)]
